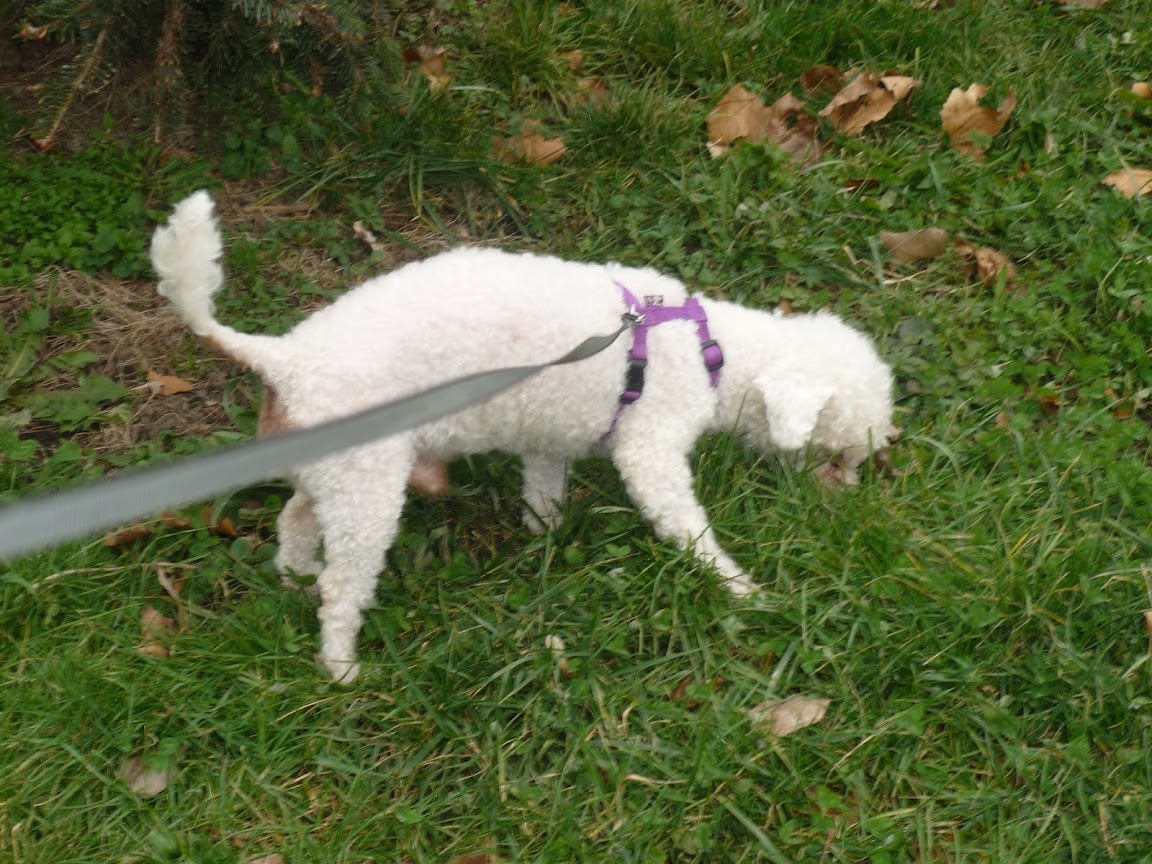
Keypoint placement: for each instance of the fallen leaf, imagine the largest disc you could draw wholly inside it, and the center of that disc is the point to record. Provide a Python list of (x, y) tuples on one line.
[(32, 31), (174, 521), (154, 623), (153, 626), (1131, 182), (963, 117), (141, 779), (1142, 89), (531, 147), (693, 688), (556, 645), (167, 385), (782, 718), (434, 67), (822, 81), (1148, 621), (866, 99), (222, 527), (911, 246), (367, 237), (742, 116), (1082, 4), (793, 130), (990, 264), (274, 858), (573, 58), (987, 264), (128, 536), (172, 585), (592, 91)]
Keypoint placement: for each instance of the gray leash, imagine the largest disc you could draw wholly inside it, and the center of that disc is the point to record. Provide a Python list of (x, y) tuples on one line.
[(48, 520)]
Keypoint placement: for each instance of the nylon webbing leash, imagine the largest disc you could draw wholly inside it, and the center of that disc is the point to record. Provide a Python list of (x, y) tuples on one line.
[(48, 520)]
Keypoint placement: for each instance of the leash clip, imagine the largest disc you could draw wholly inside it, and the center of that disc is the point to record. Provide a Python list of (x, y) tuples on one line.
[(632, 318)]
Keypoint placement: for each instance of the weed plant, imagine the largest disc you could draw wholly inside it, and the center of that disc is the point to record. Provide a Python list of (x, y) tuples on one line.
[(975, 619)]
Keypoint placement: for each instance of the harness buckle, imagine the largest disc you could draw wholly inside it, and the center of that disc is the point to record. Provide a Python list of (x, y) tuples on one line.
[(713, 355), (633, 380)]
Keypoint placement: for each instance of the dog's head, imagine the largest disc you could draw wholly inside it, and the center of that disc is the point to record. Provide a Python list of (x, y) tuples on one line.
[(839, 412)]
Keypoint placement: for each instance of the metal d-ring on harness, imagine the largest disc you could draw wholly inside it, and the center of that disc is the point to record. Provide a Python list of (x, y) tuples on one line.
[(652, 314)]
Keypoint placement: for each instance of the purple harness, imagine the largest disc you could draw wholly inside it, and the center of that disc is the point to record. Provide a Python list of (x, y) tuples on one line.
[(652, 314)]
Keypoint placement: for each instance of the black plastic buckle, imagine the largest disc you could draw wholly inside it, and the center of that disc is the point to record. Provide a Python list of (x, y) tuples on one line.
[(718, 361), (633, 380)]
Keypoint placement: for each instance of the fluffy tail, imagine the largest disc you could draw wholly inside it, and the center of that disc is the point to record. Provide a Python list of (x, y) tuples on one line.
[(186, 255)]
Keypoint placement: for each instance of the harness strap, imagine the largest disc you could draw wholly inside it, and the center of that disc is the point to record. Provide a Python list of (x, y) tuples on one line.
[(652, 315)]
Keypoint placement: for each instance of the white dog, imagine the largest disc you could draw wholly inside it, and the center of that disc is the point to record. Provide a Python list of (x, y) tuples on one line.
[(787, 385)]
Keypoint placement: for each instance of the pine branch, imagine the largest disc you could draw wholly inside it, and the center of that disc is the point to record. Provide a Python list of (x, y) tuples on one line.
[(49, 140)]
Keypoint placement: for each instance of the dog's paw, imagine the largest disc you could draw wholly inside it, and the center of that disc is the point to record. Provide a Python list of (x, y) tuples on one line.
[(292, 585), (342, 671), (741, 585), (542, 524), (290, 568)]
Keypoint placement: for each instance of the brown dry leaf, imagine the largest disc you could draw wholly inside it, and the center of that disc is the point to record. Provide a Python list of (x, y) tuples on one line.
[(274, 858), (221, 528), (782, 718), (1082, 4), (367, 237), (822, 81), (174, 521), (1131, 182), (911, 246), (167, 385), (962, 117), (153, 625), (128, 536), (987, 264), (574, 59), (591, 90), (742, 116), (434, 67), (172, 585), (990, 264), (531, 147), (555, 644), (866, 99), (1142, 89), (793, 130), (1148, 621), (141, 779)]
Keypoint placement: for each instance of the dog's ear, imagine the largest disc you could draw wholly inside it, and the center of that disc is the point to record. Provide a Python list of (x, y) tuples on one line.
[(792, 406)]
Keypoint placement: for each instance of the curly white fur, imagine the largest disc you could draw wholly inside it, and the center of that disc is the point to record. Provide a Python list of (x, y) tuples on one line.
[(788, 384)]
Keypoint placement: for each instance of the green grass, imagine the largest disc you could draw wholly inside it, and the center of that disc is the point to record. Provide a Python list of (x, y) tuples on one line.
[(975, 620)]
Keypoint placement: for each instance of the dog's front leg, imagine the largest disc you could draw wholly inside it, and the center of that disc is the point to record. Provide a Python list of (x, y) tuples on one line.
[(545, 490), (659, 482)]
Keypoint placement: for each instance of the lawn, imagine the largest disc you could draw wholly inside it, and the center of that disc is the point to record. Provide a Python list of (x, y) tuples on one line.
[(975, 617)]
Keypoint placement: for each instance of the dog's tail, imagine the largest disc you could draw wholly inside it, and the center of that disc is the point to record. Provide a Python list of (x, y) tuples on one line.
[(186, 255)]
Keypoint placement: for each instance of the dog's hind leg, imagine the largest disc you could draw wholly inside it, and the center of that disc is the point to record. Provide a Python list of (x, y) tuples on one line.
[(358, 499), (545, 490), (659, 482), (298, 534)]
